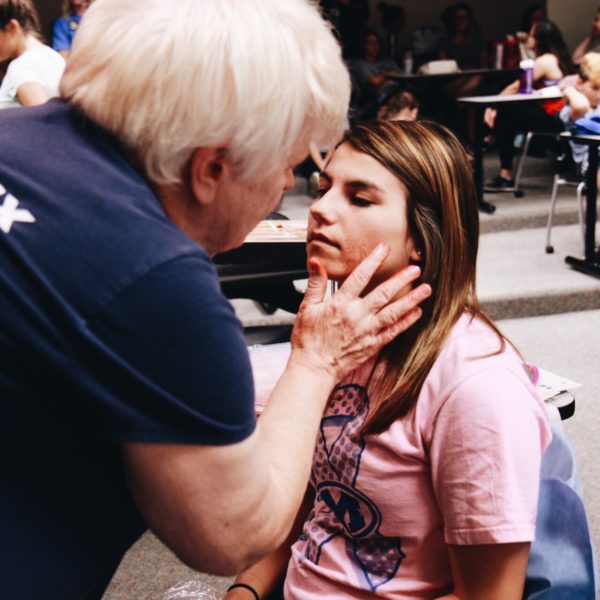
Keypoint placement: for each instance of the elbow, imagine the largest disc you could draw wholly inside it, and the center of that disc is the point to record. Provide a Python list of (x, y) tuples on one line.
[(231, 548), (225, 563)]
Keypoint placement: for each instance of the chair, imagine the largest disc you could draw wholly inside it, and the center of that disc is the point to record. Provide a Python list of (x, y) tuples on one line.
[(567, 173), (518, 191)]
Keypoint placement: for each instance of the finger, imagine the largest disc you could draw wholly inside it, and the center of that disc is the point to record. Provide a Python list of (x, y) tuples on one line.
[(358, 280), (385, 292), (391, 332), (396, 311), (317, 283)]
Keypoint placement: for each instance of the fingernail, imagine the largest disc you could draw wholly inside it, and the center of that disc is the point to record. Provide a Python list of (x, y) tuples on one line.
[(381, 250), (414, 271)]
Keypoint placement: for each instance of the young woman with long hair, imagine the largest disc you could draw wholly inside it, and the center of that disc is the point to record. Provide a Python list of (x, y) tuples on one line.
[(426, 469), (551, 64)]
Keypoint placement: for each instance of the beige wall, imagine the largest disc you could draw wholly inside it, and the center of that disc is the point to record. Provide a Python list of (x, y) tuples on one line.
[(496, 17), (48, 11), (574, 17)]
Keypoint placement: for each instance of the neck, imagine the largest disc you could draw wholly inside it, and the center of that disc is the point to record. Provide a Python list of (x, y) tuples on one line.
[(28, 42), (180, 206)]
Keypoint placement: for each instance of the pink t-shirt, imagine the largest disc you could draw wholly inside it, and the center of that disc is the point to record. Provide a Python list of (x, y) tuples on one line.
[(462, 468)]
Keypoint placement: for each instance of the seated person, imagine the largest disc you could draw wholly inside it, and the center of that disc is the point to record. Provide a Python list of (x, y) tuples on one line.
[(401, 106), (373, 76), (551, 64), (462, 41), (426, 471), (34, 69), (591, 43), (532, 14), (582, 94)]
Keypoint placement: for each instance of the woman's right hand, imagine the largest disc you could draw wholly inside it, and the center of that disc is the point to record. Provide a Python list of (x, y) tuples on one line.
[(339, 334)]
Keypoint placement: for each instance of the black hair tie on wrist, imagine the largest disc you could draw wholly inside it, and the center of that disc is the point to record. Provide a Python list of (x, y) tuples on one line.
[(246, 587)]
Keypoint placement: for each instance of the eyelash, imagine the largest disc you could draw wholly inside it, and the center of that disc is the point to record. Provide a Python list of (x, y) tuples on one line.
[(355, 200), (360, 202)]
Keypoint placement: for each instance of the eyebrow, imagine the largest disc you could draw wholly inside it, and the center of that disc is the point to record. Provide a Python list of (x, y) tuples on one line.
[(358, 184)]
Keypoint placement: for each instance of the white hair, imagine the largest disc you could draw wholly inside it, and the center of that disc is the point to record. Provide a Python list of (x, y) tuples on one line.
[(169, 76)]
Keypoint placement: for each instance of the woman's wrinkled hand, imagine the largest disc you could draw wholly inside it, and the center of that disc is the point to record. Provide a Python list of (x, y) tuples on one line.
[(339, 333)]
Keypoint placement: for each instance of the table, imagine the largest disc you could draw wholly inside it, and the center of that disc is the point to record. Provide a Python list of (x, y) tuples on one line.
[(491, 74), (264, 268), (438, 102), (478, 104), (590, 264)]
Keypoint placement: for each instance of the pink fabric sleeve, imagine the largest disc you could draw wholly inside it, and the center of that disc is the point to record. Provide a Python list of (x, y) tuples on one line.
[(486, 449)]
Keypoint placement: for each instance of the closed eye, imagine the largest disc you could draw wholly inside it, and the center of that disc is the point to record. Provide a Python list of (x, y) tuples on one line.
[(360, 202)]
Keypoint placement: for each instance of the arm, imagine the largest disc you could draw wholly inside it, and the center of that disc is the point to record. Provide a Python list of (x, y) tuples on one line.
[(581, 50), (579, 104), (488, 572), (486, 452), (220, 508), (32, 93), (266, 574)]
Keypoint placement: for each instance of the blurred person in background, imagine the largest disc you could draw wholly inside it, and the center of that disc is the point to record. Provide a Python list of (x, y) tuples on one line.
[(582, 96), (463, 42), (401, 106), (33, 70), (591, 43), (64, 28), (373, 78), (552, 63)]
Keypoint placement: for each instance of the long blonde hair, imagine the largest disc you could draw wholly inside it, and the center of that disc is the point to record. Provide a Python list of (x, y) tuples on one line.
[(443, 220)]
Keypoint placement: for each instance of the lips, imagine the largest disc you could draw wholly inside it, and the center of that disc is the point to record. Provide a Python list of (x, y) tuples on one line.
[(323, 239)]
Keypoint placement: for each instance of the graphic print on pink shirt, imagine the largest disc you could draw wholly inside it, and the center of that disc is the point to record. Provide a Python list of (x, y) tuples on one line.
[(342, 509)]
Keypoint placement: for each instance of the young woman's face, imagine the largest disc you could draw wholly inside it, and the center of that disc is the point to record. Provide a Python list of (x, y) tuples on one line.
[(361, 204), (9, 40)]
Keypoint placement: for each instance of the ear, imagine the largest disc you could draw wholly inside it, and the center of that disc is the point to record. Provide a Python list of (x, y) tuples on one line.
[(12, 26), (209, 167), (415, 254)]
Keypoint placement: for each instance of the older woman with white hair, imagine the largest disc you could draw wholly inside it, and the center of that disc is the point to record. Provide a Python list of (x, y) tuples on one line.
[(125, 384)]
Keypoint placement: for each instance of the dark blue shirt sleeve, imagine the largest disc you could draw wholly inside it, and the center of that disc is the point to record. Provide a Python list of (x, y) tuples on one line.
[(172, 362)]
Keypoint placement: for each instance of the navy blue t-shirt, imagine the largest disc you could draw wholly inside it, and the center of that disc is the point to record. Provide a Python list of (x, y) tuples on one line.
[(112, 328)]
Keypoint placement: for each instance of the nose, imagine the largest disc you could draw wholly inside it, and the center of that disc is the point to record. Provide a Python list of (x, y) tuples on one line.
[(323, 208)]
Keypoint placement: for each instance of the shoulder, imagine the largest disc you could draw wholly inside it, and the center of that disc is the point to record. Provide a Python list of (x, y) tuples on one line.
[(472, 346), (477, 374), (38, 58), (546, 65)]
